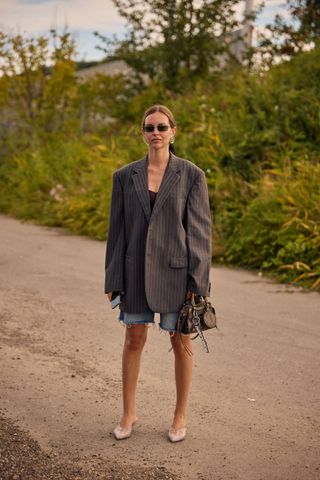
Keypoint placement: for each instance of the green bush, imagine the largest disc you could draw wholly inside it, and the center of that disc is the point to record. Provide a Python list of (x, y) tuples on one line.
[(62, 184), (279, 229)]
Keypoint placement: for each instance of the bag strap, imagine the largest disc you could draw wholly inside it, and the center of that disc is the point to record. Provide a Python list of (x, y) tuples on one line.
[(193, 299), (196, 323)]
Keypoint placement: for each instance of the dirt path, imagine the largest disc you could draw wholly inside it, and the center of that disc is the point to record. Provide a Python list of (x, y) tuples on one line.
[(254, 407)]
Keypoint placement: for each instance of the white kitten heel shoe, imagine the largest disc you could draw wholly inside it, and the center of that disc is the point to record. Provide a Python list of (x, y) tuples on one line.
[(177, 435), (120, 433)]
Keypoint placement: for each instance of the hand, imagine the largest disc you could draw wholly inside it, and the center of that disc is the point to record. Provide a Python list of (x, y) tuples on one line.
[(110, 296)]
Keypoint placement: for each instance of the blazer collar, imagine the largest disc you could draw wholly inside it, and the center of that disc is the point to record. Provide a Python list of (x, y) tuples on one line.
[(140, 178)]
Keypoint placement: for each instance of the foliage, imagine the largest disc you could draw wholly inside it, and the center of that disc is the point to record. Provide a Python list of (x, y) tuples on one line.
[(34, 94), (62, 183), (39, 100), (279, 229), (292, 34), (255, 135)]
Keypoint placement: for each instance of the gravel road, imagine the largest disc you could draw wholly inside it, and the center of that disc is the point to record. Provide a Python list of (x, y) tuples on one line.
[(254, 405)]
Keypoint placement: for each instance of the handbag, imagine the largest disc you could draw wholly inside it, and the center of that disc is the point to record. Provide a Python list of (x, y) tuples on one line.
[(195, 316)]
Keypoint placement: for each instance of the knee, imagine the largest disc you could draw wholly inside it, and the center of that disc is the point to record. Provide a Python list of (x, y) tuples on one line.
[(135, 342)]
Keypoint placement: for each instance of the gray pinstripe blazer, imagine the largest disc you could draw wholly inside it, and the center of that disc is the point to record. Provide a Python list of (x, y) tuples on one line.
[(156, 257)]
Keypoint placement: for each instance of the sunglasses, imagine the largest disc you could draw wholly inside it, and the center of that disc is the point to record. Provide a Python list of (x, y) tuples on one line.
[(162, 127)]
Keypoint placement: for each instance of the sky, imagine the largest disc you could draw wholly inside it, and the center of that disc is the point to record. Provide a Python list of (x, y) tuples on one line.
[(83, 17)]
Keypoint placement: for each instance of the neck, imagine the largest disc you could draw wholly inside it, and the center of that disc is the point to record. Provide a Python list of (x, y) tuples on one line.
[(158, 158)]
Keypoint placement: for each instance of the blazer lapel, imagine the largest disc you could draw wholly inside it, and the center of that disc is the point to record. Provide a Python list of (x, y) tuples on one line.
[(140, 180), (170, 178)]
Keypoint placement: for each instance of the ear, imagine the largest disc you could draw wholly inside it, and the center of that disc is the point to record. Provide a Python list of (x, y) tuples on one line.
[(144, 136)]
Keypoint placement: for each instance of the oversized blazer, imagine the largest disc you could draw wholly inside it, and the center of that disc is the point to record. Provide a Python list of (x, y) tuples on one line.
[(156, 257)]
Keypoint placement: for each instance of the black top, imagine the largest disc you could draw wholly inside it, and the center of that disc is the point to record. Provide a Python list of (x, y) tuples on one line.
[(152, 196)]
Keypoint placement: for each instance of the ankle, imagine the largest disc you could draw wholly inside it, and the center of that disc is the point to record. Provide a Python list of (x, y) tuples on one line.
[(128, 419), (179, 420), (179, 414)]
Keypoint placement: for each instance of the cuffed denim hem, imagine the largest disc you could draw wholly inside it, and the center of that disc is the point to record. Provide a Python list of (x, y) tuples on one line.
[(168, 321)]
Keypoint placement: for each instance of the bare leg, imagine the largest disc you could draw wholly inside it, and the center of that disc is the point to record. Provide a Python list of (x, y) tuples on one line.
[(135, 339), (183, 375)]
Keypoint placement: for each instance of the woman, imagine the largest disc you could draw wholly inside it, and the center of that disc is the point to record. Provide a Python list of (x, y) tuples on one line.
[(158, 251)]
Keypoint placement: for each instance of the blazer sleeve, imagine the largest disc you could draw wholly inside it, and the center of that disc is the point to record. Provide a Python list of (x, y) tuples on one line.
[(199, 230), (115, 248)]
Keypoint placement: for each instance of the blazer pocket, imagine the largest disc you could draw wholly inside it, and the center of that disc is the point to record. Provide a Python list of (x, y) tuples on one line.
[(179, 262)]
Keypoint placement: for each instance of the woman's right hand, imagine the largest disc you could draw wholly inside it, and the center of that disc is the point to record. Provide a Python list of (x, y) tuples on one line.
[(110, 296)]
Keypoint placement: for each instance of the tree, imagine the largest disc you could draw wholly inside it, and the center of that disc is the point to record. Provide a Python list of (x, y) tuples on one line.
[(37, 81), (173, 40), (287, 37)]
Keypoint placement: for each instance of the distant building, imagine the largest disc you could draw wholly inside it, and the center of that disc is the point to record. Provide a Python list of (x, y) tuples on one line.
[(111, 69)]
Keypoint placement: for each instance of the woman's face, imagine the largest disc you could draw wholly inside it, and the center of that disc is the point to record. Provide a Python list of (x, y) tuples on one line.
[(158, 139)]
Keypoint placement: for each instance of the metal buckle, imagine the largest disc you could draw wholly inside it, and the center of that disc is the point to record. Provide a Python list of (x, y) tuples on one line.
[(195, 318)]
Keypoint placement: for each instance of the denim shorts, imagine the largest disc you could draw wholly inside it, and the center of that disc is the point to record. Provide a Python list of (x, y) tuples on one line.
[(167, 320)]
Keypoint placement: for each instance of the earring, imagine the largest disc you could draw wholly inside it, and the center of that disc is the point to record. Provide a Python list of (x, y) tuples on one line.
[(172, 139)]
